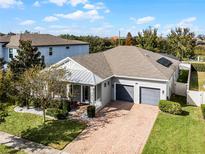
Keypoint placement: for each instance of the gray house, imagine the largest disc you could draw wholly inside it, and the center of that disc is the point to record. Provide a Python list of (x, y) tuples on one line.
[(124, 73), (52, 48)]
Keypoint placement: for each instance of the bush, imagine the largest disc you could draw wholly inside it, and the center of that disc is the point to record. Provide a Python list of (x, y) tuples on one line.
[(66, 106), (183, 76), (56, 113), (170, 107), (3, 113), (91, 111), (203, 109), (199, 67), (36, 102), (55, 104)]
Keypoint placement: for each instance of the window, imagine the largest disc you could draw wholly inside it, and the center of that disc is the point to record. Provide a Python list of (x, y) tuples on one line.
[(43, 59), (50, 51), (11, 53), (108, 83), (67, 47), (105, 85)]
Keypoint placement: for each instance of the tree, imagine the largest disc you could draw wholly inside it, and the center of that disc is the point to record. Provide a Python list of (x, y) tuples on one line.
[(43, 85), (129, 40), (181, 43), (97, 44), (6, 84), (27, 57), (149, 40), (2, 63)]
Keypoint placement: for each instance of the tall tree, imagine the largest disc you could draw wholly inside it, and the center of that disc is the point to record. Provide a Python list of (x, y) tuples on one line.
[(181, 43), (148, 39), (129, 39), (43, 84), (27, 57)]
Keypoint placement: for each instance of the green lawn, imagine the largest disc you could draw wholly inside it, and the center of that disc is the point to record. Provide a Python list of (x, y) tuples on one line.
[(56, 134), (175, 134), (197, 81), (7, 150)]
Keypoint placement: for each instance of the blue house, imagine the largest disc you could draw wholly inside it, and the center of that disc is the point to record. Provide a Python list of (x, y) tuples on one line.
[(52, 48)]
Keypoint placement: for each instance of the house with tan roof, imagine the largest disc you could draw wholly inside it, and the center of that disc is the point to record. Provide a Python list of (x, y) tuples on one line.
[(124, 73), (52, 48)]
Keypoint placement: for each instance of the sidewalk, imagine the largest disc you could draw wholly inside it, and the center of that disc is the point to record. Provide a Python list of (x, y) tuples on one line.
[(25, 145)]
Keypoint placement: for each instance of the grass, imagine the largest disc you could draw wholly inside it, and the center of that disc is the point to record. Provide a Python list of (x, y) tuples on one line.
[(183, 76), (178, 134), (7, 150), (56, 134), (197, 81)]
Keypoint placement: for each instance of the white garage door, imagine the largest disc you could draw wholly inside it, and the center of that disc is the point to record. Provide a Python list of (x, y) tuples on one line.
[(149, 96)]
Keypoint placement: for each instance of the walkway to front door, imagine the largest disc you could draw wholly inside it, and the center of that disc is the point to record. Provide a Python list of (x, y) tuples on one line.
[(119, 128)]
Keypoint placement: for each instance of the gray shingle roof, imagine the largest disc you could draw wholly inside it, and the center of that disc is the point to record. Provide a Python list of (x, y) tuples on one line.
[(5, 39), (128, 61), (41, 40)]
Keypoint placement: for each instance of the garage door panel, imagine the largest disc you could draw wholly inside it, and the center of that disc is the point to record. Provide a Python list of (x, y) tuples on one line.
[(149, 96), (125, 93)]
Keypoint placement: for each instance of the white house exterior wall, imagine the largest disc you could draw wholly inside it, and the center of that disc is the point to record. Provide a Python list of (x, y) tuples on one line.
[(140, 83), (106, 96), (60, 52), (1, 50)]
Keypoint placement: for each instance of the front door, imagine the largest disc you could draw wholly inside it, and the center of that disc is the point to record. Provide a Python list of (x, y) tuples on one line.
[(86, 93)]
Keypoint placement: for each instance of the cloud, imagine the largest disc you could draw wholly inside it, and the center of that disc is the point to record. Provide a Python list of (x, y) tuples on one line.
[(50, 19), (81, 15), (107, 11), (37, 4), (39, 28), (187, 22), (157, 26), (71, 2), (58, 2), (97, 6), (27, 22), (144, 20), (76, 2), (10, 3)]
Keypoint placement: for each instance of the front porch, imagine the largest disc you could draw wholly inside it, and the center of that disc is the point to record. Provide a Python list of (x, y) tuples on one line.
[(84, 94)]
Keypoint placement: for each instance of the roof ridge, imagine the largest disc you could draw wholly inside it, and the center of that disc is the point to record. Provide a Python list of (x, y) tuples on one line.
[(146, 57), (108, 63)]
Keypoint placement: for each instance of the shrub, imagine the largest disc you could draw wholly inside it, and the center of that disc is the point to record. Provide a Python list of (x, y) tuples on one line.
[(66, 106), (183, 76), (203, 109), (56, 113), (170, 107), (199, 67), (55, 104), (91, 111), (3, 113)]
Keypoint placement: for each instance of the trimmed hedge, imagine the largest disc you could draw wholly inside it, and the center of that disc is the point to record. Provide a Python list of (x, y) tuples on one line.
[(170, 107), (199, 67), (203, 109), (56, 113), (91, 111)]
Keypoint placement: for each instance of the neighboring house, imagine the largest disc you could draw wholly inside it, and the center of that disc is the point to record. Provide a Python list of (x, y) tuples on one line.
[(125, 73), (52, 48)]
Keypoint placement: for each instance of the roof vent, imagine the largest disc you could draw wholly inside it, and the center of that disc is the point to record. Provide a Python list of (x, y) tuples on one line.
[(146, 55)]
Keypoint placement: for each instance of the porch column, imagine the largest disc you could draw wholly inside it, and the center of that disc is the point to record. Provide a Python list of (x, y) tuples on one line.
[(68, 90), (81, 93), (92, 95)]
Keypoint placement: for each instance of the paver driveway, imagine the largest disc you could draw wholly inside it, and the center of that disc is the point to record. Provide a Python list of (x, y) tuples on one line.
[(119, 128)]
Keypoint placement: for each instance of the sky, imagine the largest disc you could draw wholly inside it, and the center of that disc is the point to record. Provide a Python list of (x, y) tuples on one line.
[(101, 17)]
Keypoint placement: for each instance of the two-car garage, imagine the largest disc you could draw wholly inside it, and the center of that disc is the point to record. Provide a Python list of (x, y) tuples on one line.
[(147, 95)]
